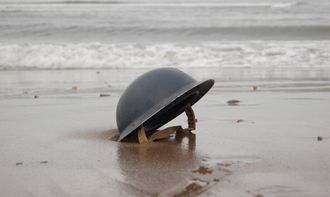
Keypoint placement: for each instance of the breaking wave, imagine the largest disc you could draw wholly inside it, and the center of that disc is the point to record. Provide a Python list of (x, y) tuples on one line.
[(120, 56), (156, 4)]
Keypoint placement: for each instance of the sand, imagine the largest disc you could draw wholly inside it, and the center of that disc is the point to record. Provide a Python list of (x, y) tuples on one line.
[(56, 130)]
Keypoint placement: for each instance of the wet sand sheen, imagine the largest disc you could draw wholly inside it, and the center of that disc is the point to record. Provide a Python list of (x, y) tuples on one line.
[(266, 145), (167, 168)]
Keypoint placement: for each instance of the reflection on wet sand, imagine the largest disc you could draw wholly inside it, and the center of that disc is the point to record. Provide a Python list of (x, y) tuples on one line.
[(153, 168), (169, 167)]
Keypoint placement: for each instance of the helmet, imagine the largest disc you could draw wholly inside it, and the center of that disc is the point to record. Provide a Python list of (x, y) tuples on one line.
[(155, 98)]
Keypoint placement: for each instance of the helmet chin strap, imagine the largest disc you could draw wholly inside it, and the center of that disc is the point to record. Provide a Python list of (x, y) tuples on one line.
[(167, 132), (191, 119)]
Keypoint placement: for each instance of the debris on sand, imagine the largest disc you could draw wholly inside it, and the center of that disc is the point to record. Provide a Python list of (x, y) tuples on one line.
[(36, 96), (104, 95), (190, 190), (319, 138), (259, 195), (114, 137), (254, 88), (224, 164), (203, 170), (255, 195), (233, 102), (239, 120), (74, 88), (43, 162), (19, 163)]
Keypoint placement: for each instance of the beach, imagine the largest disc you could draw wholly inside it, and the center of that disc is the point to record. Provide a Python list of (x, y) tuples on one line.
[(262, 130), (60, 143)]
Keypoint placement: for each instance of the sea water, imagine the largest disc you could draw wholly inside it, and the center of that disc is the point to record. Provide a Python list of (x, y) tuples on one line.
[(95, 34)]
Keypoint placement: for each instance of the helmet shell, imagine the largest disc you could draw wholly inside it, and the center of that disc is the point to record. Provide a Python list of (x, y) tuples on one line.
[(155, 98)]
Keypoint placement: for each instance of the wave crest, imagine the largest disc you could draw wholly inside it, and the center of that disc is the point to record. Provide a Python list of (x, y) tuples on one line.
[(116, 56)]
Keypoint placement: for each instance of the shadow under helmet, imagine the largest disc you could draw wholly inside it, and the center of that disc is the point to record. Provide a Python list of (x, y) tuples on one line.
[(155, 98)]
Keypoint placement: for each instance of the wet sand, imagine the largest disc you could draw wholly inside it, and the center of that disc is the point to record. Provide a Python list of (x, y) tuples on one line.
[(274, 141)]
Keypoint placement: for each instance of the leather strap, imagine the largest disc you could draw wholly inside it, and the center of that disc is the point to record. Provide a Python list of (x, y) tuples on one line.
[(191, 118), (142, 138)]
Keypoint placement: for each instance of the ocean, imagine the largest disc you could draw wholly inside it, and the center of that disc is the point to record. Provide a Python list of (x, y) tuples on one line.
[(55, 34)]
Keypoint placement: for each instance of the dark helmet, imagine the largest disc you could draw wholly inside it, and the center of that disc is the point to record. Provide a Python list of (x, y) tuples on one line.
[(155, 98)]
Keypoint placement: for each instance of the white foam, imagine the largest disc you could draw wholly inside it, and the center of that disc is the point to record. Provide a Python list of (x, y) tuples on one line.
[(47, 3), (216, 54)]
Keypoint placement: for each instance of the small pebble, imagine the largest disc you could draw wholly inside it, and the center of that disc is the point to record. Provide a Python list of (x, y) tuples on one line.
[(36, 96), (74, 88), (19, 163), (233, 102), (43, 162), (224, 164), (104, 95), (319, 138), (254, 88), (238, 121)]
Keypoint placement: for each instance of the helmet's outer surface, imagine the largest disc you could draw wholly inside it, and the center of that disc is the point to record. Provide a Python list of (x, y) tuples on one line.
[(156, 98)]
